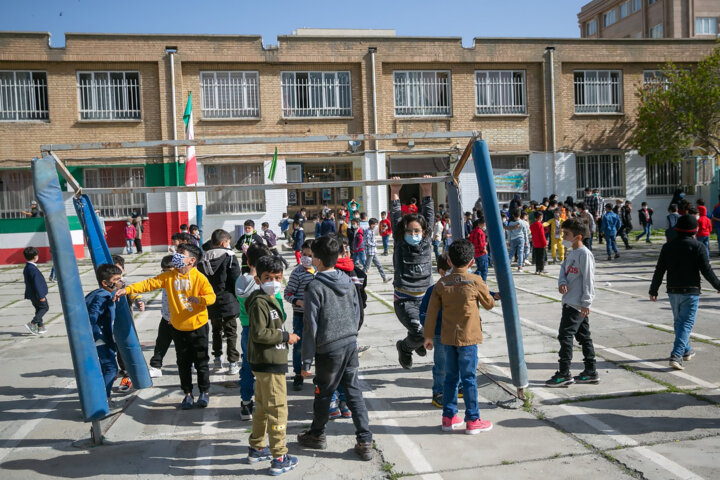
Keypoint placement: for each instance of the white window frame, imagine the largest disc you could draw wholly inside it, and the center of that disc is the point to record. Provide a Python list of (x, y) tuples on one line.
[(117, 205), (611, 182), (591, 27), (501, 96), (325, 97), (604, 90), (706, 26), (636, 5), (104, 97), (627, 9), (24, 100), (232, 202), (16, 193), (609, 18), (421, 96), (230, 94), (655, 77), (656, 31)]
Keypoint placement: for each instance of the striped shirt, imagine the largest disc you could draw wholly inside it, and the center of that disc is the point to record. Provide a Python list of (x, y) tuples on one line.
[(295, 289)]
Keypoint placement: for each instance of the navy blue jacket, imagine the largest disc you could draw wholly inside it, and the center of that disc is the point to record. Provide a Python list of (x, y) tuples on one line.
[(423, 310), (101, 310), (35, 285), (327, 226)]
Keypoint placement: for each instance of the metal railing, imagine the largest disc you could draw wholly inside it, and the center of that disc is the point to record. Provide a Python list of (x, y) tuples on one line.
[(422, 93), (109, 99), (606, 172), (598, 91), (16, 193), (316, 94), (499, 92), (118, 204), (23, 99), (230, 95), (224, 201)]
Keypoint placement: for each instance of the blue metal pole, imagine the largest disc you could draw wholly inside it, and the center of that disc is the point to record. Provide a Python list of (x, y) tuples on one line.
[(88, 375), (199, 213), (496, 234)]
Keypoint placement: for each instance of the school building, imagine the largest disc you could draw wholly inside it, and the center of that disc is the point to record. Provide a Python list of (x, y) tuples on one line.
[(556, 113)]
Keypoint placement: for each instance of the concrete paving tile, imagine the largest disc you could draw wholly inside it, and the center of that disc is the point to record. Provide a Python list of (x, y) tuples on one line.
[(700, 457)]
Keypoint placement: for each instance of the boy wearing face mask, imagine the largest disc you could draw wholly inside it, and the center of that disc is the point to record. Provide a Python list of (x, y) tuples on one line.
[(556, 242), (251, 237), (189, 293), (295, 294), (576, 283), (129, 237)]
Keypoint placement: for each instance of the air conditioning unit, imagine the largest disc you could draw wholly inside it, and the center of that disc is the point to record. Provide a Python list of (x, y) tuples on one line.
[(698, 170)]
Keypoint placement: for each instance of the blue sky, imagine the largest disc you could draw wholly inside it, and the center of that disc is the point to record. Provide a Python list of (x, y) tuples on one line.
[(270, 18)]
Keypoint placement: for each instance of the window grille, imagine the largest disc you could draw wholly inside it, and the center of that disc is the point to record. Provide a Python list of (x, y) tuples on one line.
[(598, 91), (228, 202), (16, 193), (230, 95), (606, 172), (316, 94), (499, 92), (664, 178), (117, 205), (23, 96), (422, 94), (109, 95)]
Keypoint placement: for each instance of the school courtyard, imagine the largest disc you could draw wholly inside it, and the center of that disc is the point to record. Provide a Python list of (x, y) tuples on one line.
[(642, 421)]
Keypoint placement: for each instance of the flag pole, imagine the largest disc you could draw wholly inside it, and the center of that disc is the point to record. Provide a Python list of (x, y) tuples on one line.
[(198, 207)]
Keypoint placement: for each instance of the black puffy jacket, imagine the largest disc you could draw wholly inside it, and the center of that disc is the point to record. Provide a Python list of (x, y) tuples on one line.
[(684, 259), (221, 267)]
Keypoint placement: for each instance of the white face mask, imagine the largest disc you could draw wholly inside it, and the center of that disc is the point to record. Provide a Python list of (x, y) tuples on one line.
[(306, 261), (567, 244), (271, 288)]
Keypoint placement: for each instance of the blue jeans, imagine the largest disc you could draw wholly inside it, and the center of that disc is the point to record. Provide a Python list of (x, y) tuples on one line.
[(461, 364), (372, 259), (705, 241), (386, 243), (517, 247), (717, 232), (297, 348), (646, 233), (436, 250), (247, 379), (129, 245), (684, 307), (359, 258), (482, 266), (610, 243), (438, 369), (108, 365)]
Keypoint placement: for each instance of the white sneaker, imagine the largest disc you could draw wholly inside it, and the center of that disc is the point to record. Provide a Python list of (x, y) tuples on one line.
[(234, 368), (155, 372)]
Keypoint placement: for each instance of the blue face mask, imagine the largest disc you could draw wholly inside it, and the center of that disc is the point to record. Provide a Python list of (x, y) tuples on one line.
[(178, 260), (682, 195), (413, 239)]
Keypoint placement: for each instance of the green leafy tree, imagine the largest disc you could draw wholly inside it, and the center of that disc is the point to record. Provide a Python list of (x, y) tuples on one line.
[(680, 112)]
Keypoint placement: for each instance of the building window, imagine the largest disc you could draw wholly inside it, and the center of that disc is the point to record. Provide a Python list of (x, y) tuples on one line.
[(624, 9), (609, 18), (230, 95), (109, 95), (591, 28), (650, 2), (499, 92), (235, 201), (606, 172), (317, 172), (316, 94), (16, 193), (23, 96), (656, 31), (117, 205), (598, 91), (663, 179), (636, 5), (423, 94), (655, 78), (706, 26), (511, 174)]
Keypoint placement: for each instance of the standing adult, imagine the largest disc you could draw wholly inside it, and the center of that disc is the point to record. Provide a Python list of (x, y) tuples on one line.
[(137, 221)]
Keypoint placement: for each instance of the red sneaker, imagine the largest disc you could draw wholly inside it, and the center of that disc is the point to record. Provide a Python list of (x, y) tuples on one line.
[(450, 424), (473, 427)]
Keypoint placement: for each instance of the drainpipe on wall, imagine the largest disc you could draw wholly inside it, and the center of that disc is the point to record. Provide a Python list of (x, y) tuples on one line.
[(172, 51), (372, 51), (551, 60)]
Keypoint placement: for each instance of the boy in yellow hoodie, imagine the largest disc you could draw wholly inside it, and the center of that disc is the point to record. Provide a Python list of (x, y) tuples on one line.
[(188, 294), (556, 245)]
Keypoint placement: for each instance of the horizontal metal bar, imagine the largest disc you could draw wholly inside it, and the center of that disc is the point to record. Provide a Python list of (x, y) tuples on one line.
[(255, 140), (268, 186)]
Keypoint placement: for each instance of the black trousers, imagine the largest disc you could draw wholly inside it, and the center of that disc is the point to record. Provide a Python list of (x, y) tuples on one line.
[(138, 245), (407, 311), (573, 325), (276, 253), (623, 234), (229, 326), (162, 343), (339, 367), (539, 259), (192, 348), (41, 308)]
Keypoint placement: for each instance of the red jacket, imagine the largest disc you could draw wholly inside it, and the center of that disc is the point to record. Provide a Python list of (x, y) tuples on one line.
[(385, 228), (704, 223), (538, 235), (477, 238), (129, 232)]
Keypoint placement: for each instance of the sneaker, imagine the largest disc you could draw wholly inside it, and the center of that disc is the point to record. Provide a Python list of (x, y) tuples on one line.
[(617, 255), (460, 392), (676, 363), (125, 385), (155, 372), (363, 348), (609, 258), (233, 369), (203, 400), (421, 351), (255, 455), (283, 464), (588, 377), (437, 400), (450, 424), (560, 380), (32, 328), (114, 407), (246, 410), (385, 280), (217, 364), (344, 410), (335, 412), (41, 329), (689, 355), (298, 382), (404, 358), (628, 247), (308, 440), (365, 450), (473, 427), (188, 402)]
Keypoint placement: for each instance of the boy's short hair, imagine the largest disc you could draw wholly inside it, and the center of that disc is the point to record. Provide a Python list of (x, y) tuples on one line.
[(327, 249), (183, 226), (700, 202), (307, 244), (182, 237), (515, 213), (575, 226), (118, 260), (468, 214), (265, 225), (249, 223), (608, 206), (219, 236), (30, 252), (383, 213), (538, 215), (255, 252), (442, 262), (580, 205), (166, 262), (461, 252), (673, 207), (296, 222), (106, 272), (413, 200), (194, 227), (643, 204), (692, 211), (478, 222), (373, 221), (191, 250), (268, 263), (363, 215), (355, 220)]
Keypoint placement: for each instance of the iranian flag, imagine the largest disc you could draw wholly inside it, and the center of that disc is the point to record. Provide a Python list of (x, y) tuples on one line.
[(191, 175)]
